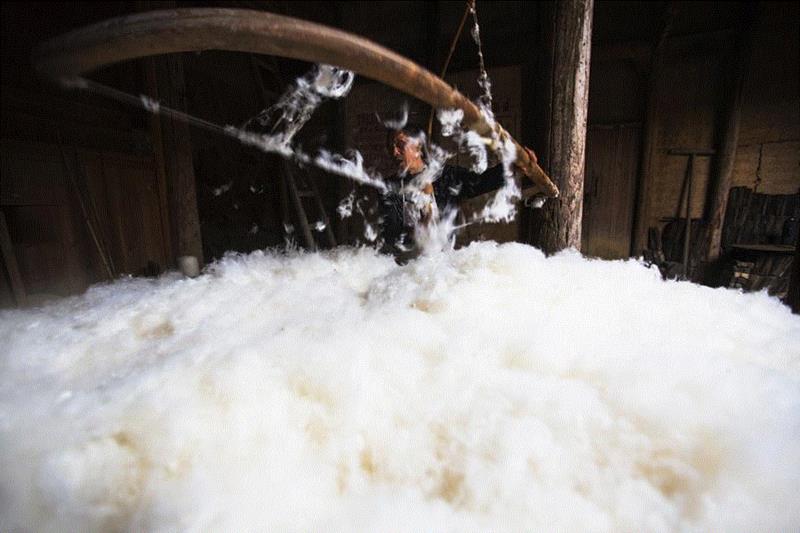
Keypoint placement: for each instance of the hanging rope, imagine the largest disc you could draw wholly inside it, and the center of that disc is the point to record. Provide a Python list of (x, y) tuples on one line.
[(483, 79), (470, 8)]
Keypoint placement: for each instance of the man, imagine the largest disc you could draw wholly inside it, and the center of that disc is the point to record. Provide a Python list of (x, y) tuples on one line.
[(403, 212)]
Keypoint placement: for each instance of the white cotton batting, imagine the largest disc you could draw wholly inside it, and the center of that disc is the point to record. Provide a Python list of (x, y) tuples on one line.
[(482, 389)]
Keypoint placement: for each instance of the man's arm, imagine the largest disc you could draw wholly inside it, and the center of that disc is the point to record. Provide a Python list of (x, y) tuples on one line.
[(457, 183), (427, 210)]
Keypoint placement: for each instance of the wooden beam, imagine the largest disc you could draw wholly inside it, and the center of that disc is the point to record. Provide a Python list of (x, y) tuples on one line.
[(184, 220), (156, 128), (728, 135), (84, 205), (649, 144), (557, 225), (164, 80)]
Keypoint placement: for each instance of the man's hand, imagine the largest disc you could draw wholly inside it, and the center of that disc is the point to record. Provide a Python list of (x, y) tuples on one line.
[(529, 191), (531, 154), (522, 167), (426, 213)]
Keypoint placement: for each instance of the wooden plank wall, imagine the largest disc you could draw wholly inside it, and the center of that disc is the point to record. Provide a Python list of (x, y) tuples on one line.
[(56, 253), (755, 218), (609, 192), (689, 91), (54, 248), (239, 193), (770, 122), (617, 88), (692, 90), (124, 188), (35, 198)]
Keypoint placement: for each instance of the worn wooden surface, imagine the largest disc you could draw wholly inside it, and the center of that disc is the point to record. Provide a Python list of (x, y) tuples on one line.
[(755, 218), (43, 223), (688, 95), (155, 126), (177, 149), (728, 135), (771, 248), (756, 270), (693, 88), (81, 193), (55, 250), (126, 191), (609, 190), (646, 174), (558, 224), (758, 228), (769, 166)]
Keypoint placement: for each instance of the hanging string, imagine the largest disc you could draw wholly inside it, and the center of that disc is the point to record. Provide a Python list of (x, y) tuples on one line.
[(148, 104), (277, 144), (483, 79), (470, 7)]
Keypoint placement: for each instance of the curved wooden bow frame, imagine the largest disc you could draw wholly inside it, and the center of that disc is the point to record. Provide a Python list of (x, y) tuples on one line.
[(243, 30)]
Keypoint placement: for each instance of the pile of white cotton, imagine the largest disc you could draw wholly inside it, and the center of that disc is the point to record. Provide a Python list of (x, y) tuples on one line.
[(482, 389)]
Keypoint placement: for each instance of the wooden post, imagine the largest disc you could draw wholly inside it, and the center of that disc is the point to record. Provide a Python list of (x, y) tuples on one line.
[(722, 176), (155, 125), (181, 188), (649, 144), (557, 225), (84, 205), (173, 153)]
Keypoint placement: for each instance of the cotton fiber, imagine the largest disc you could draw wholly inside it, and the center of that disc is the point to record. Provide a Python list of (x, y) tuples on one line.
[(483, 389)]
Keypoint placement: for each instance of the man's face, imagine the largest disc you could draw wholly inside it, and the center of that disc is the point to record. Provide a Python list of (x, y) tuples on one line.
[(408, 152)]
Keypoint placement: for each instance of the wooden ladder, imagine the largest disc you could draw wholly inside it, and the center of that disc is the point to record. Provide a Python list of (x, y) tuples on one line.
[(290, 188)]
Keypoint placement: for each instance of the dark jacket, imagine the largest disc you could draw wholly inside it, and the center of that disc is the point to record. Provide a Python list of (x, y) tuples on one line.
[(453, 185)]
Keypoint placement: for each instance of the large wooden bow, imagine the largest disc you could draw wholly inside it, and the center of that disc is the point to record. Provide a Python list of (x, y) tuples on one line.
[(193, 29)]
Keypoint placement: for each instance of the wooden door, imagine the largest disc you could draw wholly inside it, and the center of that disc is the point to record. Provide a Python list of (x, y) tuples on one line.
[(612, 155)]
